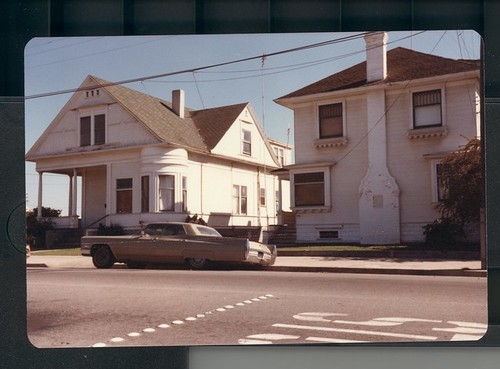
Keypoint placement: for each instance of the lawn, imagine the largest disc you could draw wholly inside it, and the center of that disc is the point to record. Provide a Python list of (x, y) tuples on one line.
[(57, 252)]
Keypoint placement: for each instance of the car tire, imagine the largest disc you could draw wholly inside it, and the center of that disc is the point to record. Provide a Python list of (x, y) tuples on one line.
[(197, 263), (103, 258)]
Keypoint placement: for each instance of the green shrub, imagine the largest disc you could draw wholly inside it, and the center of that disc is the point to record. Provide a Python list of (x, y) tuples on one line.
[(443, 232), (111, 230)]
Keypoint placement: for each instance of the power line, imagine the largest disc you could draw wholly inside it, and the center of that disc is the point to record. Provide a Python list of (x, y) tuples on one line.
[(196, 69)]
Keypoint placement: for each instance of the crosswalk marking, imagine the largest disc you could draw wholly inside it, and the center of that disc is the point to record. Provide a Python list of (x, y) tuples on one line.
[(356, 331)]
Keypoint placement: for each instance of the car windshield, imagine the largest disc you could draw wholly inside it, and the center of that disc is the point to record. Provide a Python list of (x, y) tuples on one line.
[(207, 231)]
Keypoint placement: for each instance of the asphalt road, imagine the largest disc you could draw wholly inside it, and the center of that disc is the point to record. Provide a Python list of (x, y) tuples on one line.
[(122, 307)]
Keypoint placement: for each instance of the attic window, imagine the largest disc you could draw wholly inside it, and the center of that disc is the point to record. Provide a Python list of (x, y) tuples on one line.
[(91, 93), (93, 130)]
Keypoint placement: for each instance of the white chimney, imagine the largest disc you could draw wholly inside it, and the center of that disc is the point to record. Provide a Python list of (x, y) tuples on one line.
[(376, 56), (178, 102)]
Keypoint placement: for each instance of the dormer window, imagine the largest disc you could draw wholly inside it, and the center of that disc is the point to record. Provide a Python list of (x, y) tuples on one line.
[(93, 130)]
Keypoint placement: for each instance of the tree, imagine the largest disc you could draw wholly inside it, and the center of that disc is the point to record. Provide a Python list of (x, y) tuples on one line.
[(461, 176), (36, 228)]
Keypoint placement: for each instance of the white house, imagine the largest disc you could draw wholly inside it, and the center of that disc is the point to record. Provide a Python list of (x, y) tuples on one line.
[(141, 159), (369, 139)]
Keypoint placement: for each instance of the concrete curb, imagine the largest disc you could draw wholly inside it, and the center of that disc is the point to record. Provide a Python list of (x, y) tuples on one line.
[(423, 272), (368, 270)]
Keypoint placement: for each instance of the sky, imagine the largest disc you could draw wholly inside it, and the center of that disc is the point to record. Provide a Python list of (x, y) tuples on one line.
[(274, 65)]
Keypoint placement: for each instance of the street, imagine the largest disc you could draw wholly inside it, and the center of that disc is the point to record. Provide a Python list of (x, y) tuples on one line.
[(122, 307)]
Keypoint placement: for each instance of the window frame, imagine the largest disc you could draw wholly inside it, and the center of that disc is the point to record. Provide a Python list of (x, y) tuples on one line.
[(319, 107), (326, 203), (240, 199), (437, 196), (246, 144), (427, 89), (97, 129), (124, 193), (166, 190), (145, 193)]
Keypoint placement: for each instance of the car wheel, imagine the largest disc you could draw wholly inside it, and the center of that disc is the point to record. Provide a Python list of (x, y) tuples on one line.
[(197, 263), (135, 265), (103, 257)]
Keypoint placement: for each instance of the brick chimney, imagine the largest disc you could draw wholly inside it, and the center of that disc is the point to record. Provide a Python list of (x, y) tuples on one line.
[(178, 102), (376, 56)]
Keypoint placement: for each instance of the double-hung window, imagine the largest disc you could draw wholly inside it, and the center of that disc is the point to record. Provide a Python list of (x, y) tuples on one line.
[(442, 184), (166, 188), (124, 195), (239, 199), (309, 189), (427, 109), (247, 142), (331, 121), (92, 130)]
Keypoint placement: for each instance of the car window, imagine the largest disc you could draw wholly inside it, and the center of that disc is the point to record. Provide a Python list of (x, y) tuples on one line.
[(207, 231), (154, 229), (173, 230)]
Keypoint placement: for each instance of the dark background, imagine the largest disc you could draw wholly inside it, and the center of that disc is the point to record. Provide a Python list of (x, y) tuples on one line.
[(22, 20)]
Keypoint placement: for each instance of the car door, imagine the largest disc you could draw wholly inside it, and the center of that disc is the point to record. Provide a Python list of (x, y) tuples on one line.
[(169, 246)]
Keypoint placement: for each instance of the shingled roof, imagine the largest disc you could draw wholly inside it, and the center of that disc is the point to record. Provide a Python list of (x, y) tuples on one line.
[(200, 129), (402, 65)]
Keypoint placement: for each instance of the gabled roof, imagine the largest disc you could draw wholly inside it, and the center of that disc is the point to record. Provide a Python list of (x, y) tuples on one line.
[(199, 129), (402, 65), (213, 123), (156, 114)]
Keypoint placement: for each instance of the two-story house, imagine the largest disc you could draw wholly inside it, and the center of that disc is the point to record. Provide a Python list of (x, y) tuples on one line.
[(369, 140), (139, 158)]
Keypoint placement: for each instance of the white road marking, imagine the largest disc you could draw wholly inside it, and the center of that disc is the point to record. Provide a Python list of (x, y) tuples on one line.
[(470, 325), (465, 337), (373, 333), (180, 322), (372, 323), (253, 342), (407, 320), (463, 330), (273, 336), (316, 317), (332, 340)]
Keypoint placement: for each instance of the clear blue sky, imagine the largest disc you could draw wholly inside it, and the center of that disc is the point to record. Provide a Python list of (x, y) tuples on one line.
[(58, 64)]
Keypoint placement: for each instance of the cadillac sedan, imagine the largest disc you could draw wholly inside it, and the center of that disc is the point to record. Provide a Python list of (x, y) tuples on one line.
[(159, 243)]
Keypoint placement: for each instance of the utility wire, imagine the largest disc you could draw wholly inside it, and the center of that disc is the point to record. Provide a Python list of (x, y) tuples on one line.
[(196, 69)]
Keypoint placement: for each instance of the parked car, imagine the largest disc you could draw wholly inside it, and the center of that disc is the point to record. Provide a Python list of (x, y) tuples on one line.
[(192, 244)]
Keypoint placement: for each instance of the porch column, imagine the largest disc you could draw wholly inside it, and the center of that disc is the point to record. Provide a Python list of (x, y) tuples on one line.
[(70, 197), (74, 197), (280, 201), (40, 194)]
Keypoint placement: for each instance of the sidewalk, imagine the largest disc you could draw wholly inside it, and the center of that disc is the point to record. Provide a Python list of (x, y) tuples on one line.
[(324, 264)]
